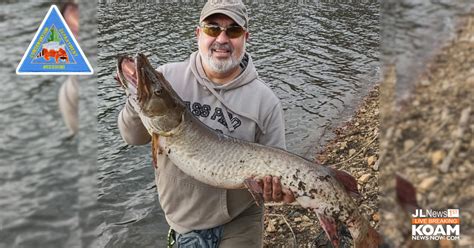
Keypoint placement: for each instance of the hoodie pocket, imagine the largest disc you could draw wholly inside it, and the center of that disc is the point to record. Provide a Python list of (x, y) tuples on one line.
[(189, 203)]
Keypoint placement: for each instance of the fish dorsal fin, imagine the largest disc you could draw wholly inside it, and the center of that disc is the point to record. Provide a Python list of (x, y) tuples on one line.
[(348, 181)]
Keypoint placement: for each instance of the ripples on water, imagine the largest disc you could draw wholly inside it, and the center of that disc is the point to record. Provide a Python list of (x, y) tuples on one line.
[(41, 171), (413, 31)]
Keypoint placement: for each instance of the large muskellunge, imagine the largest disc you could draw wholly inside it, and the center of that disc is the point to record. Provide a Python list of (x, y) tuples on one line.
[(230, 163)]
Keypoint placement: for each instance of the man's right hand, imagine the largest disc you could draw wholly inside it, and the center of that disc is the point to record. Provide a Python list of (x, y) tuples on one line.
[(129, 123)]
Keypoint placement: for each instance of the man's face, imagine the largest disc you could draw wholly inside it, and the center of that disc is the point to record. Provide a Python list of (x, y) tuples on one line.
[(221, 54)]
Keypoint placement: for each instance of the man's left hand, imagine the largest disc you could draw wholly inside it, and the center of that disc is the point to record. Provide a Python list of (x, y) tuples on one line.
[(273, 191)]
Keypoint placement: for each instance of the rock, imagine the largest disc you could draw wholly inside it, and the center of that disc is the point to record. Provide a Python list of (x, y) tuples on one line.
[(451, 200), (408, 144), (271, 226), (305, 218), (437, 157), (364, 178), (294, 214), (371, 160), (376, 217), (343, 145), (425, 82), (432, 196), (352, 152), (306, 224), (297, 219), (465, 241), (427, 183), (446, 244)]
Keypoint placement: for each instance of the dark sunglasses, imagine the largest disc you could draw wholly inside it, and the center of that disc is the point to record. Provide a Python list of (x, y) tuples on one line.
[(214, 30)]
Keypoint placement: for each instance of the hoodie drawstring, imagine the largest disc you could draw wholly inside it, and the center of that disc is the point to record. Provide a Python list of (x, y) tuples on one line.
[(227, 120), (200, 75)]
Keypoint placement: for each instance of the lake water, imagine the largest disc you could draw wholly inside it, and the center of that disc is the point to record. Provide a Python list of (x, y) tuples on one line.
[(46, 180)]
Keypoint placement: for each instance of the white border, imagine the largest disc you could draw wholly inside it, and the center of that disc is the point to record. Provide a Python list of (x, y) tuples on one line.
[(74, 40)]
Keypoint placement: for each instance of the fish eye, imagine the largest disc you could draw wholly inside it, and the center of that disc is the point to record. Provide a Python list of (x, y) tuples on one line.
[(157, 92)]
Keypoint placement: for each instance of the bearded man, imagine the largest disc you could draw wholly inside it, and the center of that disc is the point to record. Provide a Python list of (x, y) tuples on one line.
[(220, 86)]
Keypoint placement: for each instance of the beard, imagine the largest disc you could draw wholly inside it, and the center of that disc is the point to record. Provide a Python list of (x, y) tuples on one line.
[(221, 65)]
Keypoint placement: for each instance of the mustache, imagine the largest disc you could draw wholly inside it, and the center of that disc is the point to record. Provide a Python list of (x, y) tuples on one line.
[(219, 46)]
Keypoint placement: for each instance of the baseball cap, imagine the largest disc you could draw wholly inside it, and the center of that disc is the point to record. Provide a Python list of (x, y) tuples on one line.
[(234, 9)]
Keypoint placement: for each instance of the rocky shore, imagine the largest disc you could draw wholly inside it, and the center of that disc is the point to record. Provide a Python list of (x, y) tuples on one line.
[(355, 150), (427, 139)]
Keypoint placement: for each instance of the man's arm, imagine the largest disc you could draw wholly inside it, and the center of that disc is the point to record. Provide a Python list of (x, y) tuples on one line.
[(130, 125)]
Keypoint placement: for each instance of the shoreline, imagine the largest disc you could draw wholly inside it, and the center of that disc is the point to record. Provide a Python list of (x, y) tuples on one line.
[(428, 141), (353, 149), (430, 122)]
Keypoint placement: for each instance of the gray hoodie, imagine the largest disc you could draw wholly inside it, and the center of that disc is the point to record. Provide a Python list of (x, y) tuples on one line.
[(254, 114)]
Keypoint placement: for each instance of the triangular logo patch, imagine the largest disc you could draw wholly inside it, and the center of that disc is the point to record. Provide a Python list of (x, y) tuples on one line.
[(54, 50)]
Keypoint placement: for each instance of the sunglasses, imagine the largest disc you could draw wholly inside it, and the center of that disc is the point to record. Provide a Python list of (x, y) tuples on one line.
[(214, 30)]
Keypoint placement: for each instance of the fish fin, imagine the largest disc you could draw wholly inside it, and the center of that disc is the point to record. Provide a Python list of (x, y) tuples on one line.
[(155, 149), (348, 181), (406, 194), (255, 190), (330, 228), (371, 240)]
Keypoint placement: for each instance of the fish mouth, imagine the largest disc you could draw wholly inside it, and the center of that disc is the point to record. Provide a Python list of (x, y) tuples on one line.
[(133, 74), (147, 81), (153, 93), (126, 74)]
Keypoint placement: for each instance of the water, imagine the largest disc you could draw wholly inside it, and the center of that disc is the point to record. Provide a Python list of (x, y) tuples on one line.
[(42, 172), (414, 30), (319, 59)]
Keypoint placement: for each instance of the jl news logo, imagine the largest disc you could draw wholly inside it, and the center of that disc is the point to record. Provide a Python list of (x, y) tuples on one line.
[(428, 224)]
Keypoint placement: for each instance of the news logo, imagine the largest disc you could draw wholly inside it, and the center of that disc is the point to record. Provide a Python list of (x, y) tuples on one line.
[(428, 224)]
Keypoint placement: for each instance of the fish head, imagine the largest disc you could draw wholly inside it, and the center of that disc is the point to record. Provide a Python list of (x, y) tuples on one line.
[(161, 109)]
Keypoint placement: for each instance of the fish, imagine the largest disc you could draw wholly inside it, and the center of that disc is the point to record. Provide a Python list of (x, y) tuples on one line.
[(229, 163)]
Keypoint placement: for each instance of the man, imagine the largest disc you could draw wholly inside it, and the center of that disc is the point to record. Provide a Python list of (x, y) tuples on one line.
[(220, 86)]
